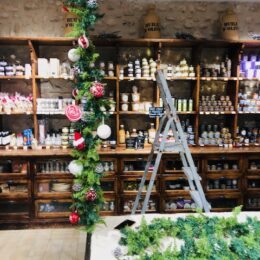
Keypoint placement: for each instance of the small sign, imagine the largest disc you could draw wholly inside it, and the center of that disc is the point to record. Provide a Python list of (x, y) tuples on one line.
[(156, 111)]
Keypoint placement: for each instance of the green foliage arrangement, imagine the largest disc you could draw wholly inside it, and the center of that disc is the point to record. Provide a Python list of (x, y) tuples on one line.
[(202, 238), (86, 211)]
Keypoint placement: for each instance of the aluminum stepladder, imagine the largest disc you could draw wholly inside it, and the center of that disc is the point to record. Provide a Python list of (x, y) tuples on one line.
[(171, 121)]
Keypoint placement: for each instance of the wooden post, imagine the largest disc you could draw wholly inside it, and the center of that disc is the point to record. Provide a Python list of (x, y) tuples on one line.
[(88, 247)]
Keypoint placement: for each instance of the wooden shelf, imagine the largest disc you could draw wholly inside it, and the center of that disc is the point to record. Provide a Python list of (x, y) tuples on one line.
[(249, 79), (16, 114), (14, 195), (218, 78), (134, 78), (13, 175), (132, 113), (14, 77), (248, 113), (214, 113), (50, 78), (181, 78), (110, 78)]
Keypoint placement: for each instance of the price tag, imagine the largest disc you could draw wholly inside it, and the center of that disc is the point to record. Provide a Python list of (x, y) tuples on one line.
[(215, 78), (201, 113), (131, 79), (156, 112), (233, 112), (222, 112), (207, 113), (216, 113), (225, 79)]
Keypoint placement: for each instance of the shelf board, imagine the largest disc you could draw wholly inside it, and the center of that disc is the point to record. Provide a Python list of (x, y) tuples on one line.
[(179, 210), (249, 79), (253, 171), (14, 77), (16, 113), (218, 78), (10, 176), (207, 113), (110, 78), (134, 78), (14, 195), (181, 78), (132, 113), (248, 113), (49, 78)]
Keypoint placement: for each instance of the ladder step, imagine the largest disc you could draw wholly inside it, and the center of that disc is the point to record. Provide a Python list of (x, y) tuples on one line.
[(170, 147), (190, 174)]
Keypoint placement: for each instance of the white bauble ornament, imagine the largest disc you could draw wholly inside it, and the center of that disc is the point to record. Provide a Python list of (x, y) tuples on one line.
[(73, 55), (75, 167), (104, 131)]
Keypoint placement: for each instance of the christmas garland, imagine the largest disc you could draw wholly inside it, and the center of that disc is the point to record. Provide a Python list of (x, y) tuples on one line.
[(87, 117), (194, 237)]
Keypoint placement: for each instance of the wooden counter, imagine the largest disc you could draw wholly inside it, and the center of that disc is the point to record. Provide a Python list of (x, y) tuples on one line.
[(122, 151)]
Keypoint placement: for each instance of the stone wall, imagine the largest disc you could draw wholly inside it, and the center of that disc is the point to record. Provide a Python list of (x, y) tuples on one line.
[(44, 17)]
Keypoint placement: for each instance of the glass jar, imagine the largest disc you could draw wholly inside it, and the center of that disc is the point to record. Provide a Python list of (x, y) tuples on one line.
[(124, 97), (124, 107)]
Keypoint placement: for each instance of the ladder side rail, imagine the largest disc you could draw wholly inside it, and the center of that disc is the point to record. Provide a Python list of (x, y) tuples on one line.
[(156, 166), (148, 164)]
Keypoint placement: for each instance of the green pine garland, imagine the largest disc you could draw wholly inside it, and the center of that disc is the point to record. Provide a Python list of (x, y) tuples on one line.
[(87, 12), (203, 238)]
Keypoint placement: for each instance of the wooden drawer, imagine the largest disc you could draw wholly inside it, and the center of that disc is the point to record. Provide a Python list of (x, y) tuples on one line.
[(130, 185), (223, 165), (109, 185), (53, 208), (14, 168), (127, 203), (52, 168), (53, 189), (110, 205), (174, 185), (13, 189), (14, 209), (225, 202), (177, 204), (134, 165)]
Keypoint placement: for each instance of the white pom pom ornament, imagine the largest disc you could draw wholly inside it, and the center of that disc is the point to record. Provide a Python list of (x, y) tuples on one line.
[(73, 55), (104, 131), (75, 167)]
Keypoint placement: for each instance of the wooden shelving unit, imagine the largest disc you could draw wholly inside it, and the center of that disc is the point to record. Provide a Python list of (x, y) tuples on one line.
[(37, 207)]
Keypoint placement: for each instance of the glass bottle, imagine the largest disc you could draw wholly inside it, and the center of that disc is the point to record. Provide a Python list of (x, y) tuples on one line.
[(122, 135), (151, 134), (134, 133)]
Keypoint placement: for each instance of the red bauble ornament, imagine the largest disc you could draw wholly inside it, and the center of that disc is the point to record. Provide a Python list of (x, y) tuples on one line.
[(79, 141), (83, 42), (73, 113), (91, 195), (97, 90), (74, 218)]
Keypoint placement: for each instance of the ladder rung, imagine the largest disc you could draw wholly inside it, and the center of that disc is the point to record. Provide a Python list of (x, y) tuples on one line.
[(170, 147), (191, 175)]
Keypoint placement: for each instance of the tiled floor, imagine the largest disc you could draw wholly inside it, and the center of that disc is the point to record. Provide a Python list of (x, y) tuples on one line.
[(42, 244)]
